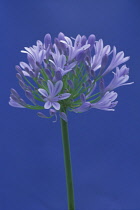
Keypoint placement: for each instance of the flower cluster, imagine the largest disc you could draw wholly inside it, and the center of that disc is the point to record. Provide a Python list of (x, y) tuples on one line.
[(70, 74)]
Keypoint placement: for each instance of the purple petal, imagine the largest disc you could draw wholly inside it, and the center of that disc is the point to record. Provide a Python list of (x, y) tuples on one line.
[(18, 69), (83, 40), (24, 65), (77, 41), (63, 96), (58, 75), (43, 92), (58, 87), (83, 98), (70, 83), (14, 92), (62, 61), (47, 105), (56, 105), (63, 116), (19, 76), (30, 96), (26, 74), (47, 40), (31, 60), (68, 41), (48, 72), (61, 36), (72, 65), (91, 40), (51, 87), (83, 108), (52, 112), (104, 61), (40, 114), (106, 102), (15, 104)]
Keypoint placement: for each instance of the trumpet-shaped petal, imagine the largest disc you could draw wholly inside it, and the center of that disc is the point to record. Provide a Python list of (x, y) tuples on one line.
[(118, 59), (100, 52), (106, 102), (15, 104), (83, 108), (120, 78)]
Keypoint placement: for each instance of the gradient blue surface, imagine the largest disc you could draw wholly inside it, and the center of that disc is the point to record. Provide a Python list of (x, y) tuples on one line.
[(105, 146)]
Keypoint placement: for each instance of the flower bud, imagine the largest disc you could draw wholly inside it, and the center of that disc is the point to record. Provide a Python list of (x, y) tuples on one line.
[(70, 83), (40, 114), (58, 75), (22, 84), (104, 61), (14, 92), (29, 95), (19, 69), (48, 72), (47, 40), (101, 85), (83, 97), (91, 40), (83, 40), (63, 116), (19, 77), (61, 36)]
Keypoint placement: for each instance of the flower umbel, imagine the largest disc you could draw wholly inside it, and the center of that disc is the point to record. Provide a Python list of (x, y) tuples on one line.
[(70, 75)]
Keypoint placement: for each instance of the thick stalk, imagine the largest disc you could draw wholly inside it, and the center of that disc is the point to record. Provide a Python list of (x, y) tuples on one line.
[(68, 166)]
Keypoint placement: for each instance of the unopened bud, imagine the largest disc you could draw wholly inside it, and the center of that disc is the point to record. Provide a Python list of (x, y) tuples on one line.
[(91, 40), (83, 97), (104, 61), (47, 40), (19, 69), (83, 40), (22, 84), (40, 114), (19, 77), (58, 75), (70, 83), (29, 95)]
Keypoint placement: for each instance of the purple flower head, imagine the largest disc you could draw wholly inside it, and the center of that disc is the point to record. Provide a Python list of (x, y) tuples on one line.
[(70, 74)]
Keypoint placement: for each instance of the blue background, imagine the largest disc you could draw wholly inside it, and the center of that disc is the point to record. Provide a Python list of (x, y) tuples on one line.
[(105, 146)]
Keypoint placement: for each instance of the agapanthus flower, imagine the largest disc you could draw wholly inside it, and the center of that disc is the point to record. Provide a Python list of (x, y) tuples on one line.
[(70, 74), (51, 98)]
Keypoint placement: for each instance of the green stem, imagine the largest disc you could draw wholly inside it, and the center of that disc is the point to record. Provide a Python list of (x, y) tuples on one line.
[(68, 166)]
